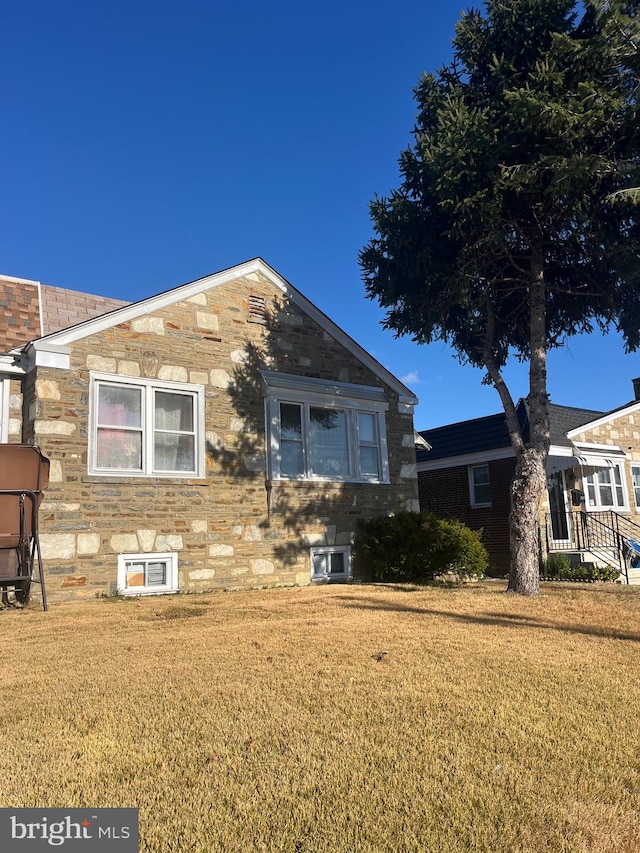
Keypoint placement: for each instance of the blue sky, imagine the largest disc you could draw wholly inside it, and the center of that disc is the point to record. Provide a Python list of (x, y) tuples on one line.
[(145, 145)]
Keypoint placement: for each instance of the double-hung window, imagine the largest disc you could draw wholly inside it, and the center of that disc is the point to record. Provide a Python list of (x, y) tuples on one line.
[(604, 487), (146, 428), (325, 431), (479, 485)]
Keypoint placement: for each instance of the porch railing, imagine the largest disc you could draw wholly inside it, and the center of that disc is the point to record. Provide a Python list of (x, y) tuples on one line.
[(603, 534)]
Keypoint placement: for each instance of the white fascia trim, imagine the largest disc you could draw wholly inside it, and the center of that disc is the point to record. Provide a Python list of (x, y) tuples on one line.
[(560, 450), (14, 280), (14, 364), (185, 291), (467, 459), (275, 383), (605, 419), (583, 446), (485, 456), (45, 353)]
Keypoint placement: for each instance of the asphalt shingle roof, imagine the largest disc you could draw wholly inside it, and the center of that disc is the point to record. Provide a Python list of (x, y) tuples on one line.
[(490, 433)]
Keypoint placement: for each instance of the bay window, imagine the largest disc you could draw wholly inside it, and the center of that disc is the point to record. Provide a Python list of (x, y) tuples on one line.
[(142, 427), (325, 431)]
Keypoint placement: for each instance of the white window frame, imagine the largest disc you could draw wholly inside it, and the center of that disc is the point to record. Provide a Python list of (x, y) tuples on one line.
[(311, 393), (148, 387), (5, 394), (332, 549), (473, 484), (635, 467), (170, 557), (592, 489)]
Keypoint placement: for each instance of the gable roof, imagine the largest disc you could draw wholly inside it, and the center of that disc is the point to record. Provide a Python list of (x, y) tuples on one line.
[(490, 433), (565, 419), (600, 418), (57, 342)]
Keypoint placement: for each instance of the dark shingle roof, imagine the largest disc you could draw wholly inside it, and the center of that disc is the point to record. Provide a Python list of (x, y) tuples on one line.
[(565, 418), (490, 433)]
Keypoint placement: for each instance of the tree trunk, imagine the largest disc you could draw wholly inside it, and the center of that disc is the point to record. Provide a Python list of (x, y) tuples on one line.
[(527, 488), (530, 479)]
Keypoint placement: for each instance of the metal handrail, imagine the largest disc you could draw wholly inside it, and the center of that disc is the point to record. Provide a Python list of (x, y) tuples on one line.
[(601, 537)]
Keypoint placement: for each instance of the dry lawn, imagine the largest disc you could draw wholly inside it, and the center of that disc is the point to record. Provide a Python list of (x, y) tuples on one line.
[(271, 720)]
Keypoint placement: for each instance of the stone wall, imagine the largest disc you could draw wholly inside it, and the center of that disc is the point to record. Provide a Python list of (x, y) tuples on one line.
[(15, 411), (227, 528), (623, 432)]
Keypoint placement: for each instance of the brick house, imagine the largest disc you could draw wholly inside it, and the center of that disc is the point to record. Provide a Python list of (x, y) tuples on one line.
[(592, 505), (220, 434)]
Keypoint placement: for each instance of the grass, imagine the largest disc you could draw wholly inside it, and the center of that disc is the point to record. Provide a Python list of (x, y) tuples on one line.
[(272, 720)]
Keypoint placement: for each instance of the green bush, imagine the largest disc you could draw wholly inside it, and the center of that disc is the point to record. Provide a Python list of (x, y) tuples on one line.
[(413, 547), (558, 567)]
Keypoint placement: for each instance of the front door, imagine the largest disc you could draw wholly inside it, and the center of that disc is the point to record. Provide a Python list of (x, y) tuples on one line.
[(560, 525)]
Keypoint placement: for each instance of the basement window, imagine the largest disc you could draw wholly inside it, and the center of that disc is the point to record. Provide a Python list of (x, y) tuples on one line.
[(147, 574), (332, 563)]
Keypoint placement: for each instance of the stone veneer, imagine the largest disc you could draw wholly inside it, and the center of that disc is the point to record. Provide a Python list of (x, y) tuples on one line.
[(227, 529), (623, 431)]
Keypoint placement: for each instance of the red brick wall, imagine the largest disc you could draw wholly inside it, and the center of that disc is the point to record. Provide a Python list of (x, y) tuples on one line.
[(446, 492)]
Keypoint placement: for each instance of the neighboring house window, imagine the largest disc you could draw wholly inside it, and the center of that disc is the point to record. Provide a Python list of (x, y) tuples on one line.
[(147, 574), (603, 487), (142, 427), (479, 485), (331, 563), (326, 431), (635, 476)]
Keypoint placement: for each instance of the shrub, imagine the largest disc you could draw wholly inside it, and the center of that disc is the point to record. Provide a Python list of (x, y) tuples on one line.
[(416, 547), (558, 567)]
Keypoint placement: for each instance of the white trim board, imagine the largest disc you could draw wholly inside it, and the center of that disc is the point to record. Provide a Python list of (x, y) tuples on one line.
[(631, 409), (483, 456)]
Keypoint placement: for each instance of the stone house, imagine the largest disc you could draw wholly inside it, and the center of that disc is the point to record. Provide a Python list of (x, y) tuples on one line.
[(591, 509), (224, 433)]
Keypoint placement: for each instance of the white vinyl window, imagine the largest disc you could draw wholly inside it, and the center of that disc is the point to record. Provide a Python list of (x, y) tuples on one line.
[(331, 563), (603, 487), (635, 476), (141, 427), (147, 574), (479, 485), (5, 385), (326, 431)]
